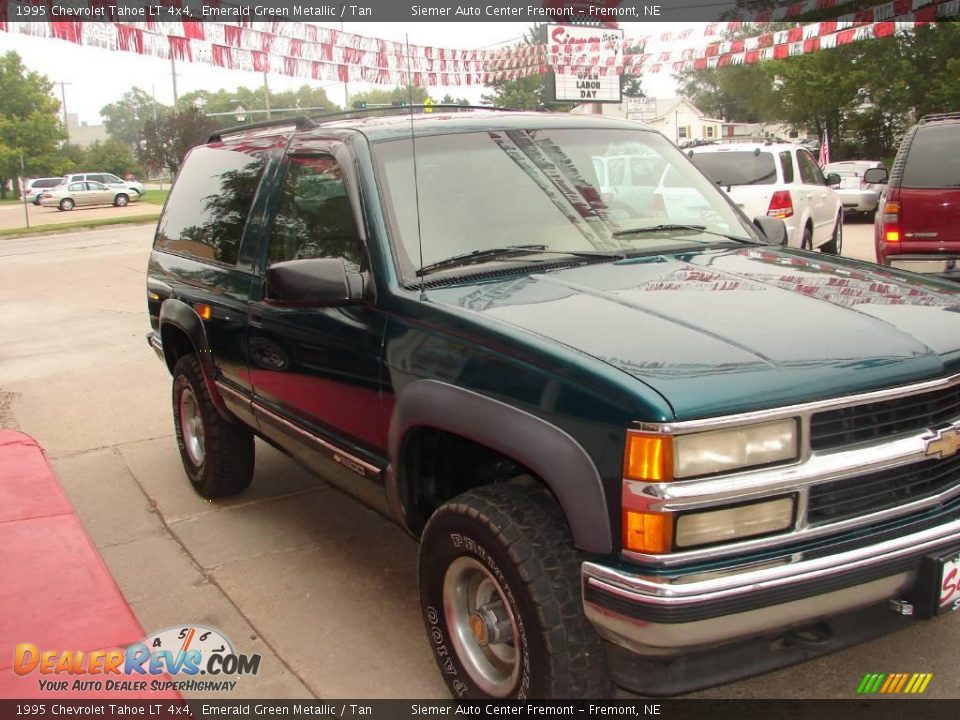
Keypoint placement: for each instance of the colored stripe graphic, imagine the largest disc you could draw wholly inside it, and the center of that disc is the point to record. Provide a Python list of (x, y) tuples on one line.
[(894, 683)]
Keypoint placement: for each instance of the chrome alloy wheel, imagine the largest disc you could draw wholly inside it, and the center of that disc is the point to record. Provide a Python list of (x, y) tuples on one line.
[(191, 427), (482, 626)]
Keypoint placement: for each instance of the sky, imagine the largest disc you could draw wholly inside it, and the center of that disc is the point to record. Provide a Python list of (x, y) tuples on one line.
[(95, 77)]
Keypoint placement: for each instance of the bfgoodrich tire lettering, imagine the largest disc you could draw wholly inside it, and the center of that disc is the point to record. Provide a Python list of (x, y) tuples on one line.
[(218, 456), (510, 546)]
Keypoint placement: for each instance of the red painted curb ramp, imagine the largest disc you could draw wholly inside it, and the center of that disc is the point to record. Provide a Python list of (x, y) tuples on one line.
[(55, 590)]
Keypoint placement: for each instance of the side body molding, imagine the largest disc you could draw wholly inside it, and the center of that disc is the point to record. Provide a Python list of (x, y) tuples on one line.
[(552, 454), (178, 314)]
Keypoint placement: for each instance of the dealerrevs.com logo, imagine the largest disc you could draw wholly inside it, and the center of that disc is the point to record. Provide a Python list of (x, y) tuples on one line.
[(182, 653)]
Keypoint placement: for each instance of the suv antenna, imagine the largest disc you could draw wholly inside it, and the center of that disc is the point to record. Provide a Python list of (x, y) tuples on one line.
[(416, 179)]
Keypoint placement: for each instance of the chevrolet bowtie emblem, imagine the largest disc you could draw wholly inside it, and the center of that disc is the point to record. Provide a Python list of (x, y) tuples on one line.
[(944, 443)]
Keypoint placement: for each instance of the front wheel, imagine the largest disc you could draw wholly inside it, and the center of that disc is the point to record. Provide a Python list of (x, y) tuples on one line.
[(500, 591), (66, 204), (121, 200), (835, 245)]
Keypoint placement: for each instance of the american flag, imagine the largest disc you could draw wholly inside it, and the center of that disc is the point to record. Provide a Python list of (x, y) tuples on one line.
[(825, 149)]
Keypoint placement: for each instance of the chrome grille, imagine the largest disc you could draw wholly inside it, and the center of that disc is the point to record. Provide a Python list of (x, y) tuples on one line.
[(851, 497), (879, 420)]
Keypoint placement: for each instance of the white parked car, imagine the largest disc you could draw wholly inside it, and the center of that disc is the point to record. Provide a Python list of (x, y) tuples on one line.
[(108, 179), (780, 180)]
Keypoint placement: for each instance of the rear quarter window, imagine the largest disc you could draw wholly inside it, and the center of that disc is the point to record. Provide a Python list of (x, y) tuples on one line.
[(208, 206), (738, 167), (933, 160)]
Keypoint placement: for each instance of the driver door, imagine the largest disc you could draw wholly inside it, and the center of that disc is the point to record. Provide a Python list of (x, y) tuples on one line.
[(317, 369)]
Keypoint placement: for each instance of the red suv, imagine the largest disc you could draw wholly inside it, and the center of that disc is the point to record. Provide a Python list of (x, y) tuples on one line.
[(918, 226)]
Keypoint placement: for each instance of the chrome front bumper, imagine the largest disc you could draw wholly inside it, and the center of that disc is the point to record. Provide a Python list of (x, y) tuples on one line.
[(678, 613)]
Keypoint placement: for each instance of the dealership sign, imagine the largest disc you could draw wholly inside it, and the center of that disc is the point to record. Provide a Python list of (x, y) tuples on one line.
[(576, 75)]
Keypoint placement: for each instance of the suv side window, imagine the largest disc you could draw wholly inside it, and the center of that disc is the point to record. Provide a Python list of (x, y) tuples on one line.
[(107, 179), (313, 218), (786, 161), (809, 172), (97, 178), (209, 203)]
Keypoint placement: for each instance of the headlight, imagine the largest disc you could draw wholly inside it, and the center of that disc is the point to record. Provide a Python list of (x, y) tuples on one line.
[(654, 457), (738, 447), (742, 521)]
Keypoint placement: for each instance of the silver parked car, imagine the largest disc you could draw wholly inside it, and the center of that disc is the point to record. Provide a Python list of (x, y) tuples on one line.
[(70, 195), (856, 195), (35, 188), (108, 179)]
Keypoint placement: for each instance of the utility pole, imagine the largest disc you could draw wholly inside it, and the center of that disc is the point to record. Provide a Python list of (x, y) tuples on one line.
[(346, 90), (266, 94), (63, 97), (173, 73), (23, 191)]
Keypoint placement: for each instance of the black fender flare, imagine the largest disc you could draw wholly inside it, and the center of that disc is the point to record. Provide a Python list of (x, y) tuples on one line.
[(180, 315), (551, 453)]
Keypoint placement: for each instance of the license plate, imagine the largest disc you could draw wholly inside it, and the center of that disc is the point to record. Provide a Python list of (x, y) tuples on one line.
[(949, 586)]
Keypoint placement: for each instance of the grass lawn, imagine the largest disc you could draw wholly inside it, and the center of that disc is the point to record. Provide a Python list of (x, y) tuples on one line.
[(155, 197), (56, 229)]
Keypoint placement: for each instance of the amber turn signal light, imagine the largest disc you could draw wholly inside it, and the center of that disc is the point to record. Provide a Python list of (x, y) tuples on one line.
[(203, 310), (647, 532), (648, 457)]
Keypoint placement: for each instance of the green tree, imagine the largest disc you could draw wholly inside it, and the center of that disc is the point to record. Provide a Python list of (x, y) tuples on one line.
[(526, 93), (112, 156), (632, 85), (29, 122), (168, 140), (449, 99), (126, 119), (305, 100), (378, 96)]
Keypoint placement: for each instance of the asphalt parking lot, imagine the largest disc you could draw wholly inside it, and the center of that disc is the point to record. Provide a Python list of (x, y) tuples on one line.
[(324, 589)]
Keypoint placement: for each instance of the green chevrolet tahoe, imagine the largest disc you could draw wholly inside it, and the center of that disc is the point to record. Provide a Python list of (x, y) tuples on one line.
[(639, 441)]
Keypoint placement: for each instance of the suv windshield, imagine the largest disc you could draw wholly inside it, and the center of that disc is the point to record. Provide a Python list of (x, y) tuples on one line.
[(738, 167), (559, 190), (934, 158)]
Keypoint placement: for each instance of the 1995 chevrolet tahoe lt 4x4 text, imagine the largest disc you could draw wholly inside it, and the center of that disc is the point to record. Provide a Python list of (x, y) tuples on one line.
[(640, 442)]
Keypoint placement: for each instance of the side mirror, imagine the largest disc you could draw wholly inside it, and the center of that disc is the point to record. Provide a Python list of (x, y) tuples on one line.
[(876, 176), (772, 229), (833, 180), (313, 282)]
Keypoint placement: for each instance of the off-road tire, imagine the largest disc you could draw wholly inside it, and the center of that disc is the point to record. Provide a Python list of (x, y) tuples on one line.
[(518, 534), (835, 245), (228, 461), (121, 200)]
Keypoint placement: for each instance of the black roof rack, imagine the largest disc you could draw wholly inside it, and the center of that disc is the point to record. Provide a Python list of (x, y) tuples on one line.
[(941, 116), (300, 123), (306, 123), (404, 110)]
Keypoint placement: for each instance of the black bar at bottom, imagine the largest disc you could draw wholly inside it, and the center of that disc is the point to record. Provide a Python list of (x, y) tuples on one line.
[(853, 709)]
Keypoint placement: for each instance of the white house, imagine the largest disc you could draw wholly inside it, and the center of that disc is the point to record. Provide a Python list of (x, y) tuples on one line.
[(677, 118)]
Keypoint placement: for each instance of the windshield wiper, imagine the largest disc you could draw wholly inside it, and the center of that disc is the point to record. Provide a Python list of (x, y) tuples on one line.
[(677, 227), (507, 251)]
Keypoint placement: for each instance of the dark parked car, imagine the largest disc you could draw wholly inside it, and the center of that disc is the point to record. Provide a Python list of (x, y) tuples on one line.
[(652, 447), (918, 227)]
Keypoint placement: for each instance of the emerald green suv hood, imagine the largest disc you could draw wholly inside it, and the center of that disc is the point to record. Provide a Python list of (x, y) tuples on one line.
[(718, 331)]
